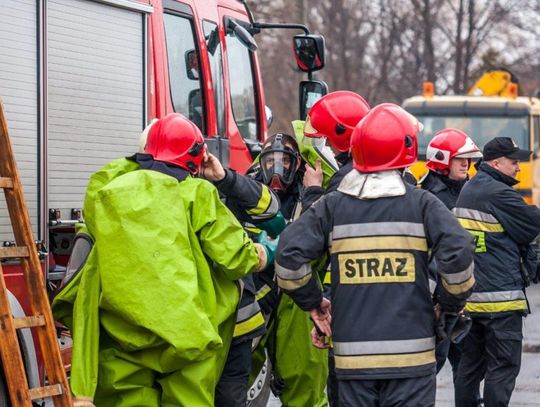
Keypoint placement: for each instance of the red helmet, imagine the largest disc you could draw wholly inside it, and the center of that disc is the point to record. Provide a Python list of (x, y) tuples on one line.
[(176, 140), (385, 139), (448, 144), (334, 116)]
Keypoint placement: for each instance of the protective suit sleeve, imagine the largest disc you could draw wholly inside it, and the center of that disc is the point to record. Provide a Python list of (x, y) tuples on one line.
[(222, 237), (452, 248), (248, 199), (303, 241), (520, 220)]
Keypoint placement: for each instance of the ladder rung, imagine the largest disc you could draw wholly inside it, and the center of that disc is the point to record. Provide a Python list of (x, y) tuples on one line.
[(28, 322), (6, 182), (13, 252), (46, 391)]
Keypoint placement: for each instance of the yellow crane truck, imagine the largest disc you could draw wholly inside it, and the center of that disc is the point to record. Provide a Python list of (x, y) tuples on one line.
[(490, 109)]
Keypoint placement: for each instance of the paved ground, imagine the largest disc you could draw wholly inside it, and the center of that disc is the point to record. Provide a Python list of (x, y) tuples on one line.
[(527, 392)]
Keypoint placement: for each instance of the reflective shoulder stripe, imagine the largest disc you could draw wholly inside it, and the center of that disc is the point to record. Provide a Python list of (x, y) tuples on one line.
[(291, 285), (378, 229), (384, 347), (360, 244), (473, 214), (385, 361), (245, 327), (482, 226), (472, 219)]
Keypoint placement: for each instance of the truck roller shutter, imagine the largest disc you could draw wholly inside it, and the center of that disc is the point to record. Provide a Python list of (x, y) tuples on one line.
[(96, 88), (19, 92)]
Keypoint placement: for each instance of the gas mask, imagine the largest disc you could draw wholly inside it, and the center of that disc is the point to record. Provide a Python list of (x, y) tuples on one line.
[(279, 164)]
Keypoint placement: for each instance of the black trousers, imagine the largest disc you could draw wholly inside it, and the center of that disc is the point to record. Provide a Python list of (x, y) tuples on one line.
[(491, 352), (332, 382), (416, 391), (231, 390)]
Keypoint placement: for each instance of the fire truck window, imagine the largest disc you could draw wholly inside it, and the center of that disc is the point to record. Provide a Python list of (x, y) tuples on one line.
[(241, 87), (184, 75), (211, 35)]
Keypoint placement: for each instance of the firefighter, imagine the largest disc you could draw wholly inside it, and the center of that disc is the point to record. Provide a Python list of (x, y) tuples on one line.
[(299, 369), (253, 202), (333, 118), (502, 225), (153, 307), (448, 158), (379, 230)]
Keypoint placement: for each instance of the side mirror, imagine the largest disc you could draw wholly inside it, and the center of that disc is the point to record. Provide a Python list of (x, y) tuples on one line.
[(254, 147), (269, 116), (192, 65), (310, 92), (241, 33), (309, 52)]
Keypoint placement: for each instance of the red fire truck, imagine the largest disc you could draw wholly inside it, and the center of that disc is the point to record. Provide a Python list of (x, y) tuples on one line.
[(80, 79)]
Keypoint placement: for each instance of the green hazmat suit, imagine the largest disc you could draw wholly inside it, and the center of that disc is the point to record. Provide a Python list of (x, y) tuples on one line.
[(156, 299)]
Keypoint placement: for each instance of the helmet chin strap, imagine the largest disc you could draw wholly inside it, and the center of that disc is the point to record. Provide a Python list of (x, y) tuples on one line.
[(276, 184)]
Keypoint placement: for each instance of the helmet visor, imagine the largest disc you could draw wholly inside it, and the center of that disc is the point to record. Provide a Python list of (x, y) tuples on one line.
[(279, 163)]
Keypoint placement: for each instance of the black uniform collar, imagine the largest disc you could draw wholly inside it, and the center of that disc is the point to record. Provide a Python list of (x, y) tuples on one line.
[(343, 158), (147, 162), (497, 175), (437, 182)]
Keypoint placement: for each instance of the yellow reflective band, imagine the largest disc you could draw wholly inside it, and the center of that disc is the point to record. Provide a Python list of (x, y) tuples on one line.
[(249, 325), (502, 306), (262, 293), (253, 230), (292, 285), (379, 242), (328, 278), (369, 268), (458, 288), (385, 361), (470, 224), (263, 203)]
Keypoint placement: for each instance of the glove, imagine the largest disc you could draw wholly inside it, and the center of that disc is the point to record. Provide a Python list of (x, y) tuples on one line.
[(273, 226), (453, 326), (266, 248)]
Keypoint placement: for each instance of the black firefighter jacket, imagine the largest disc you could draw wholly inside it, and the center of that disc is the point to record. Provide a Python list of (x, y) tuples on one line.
[(252, 201), (501, 222), (382, 310), (444, 188)]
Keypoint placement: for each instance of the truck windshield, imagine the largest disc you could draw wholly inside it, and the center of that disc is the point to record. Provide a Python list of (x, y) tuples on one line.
[(480, 128)]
